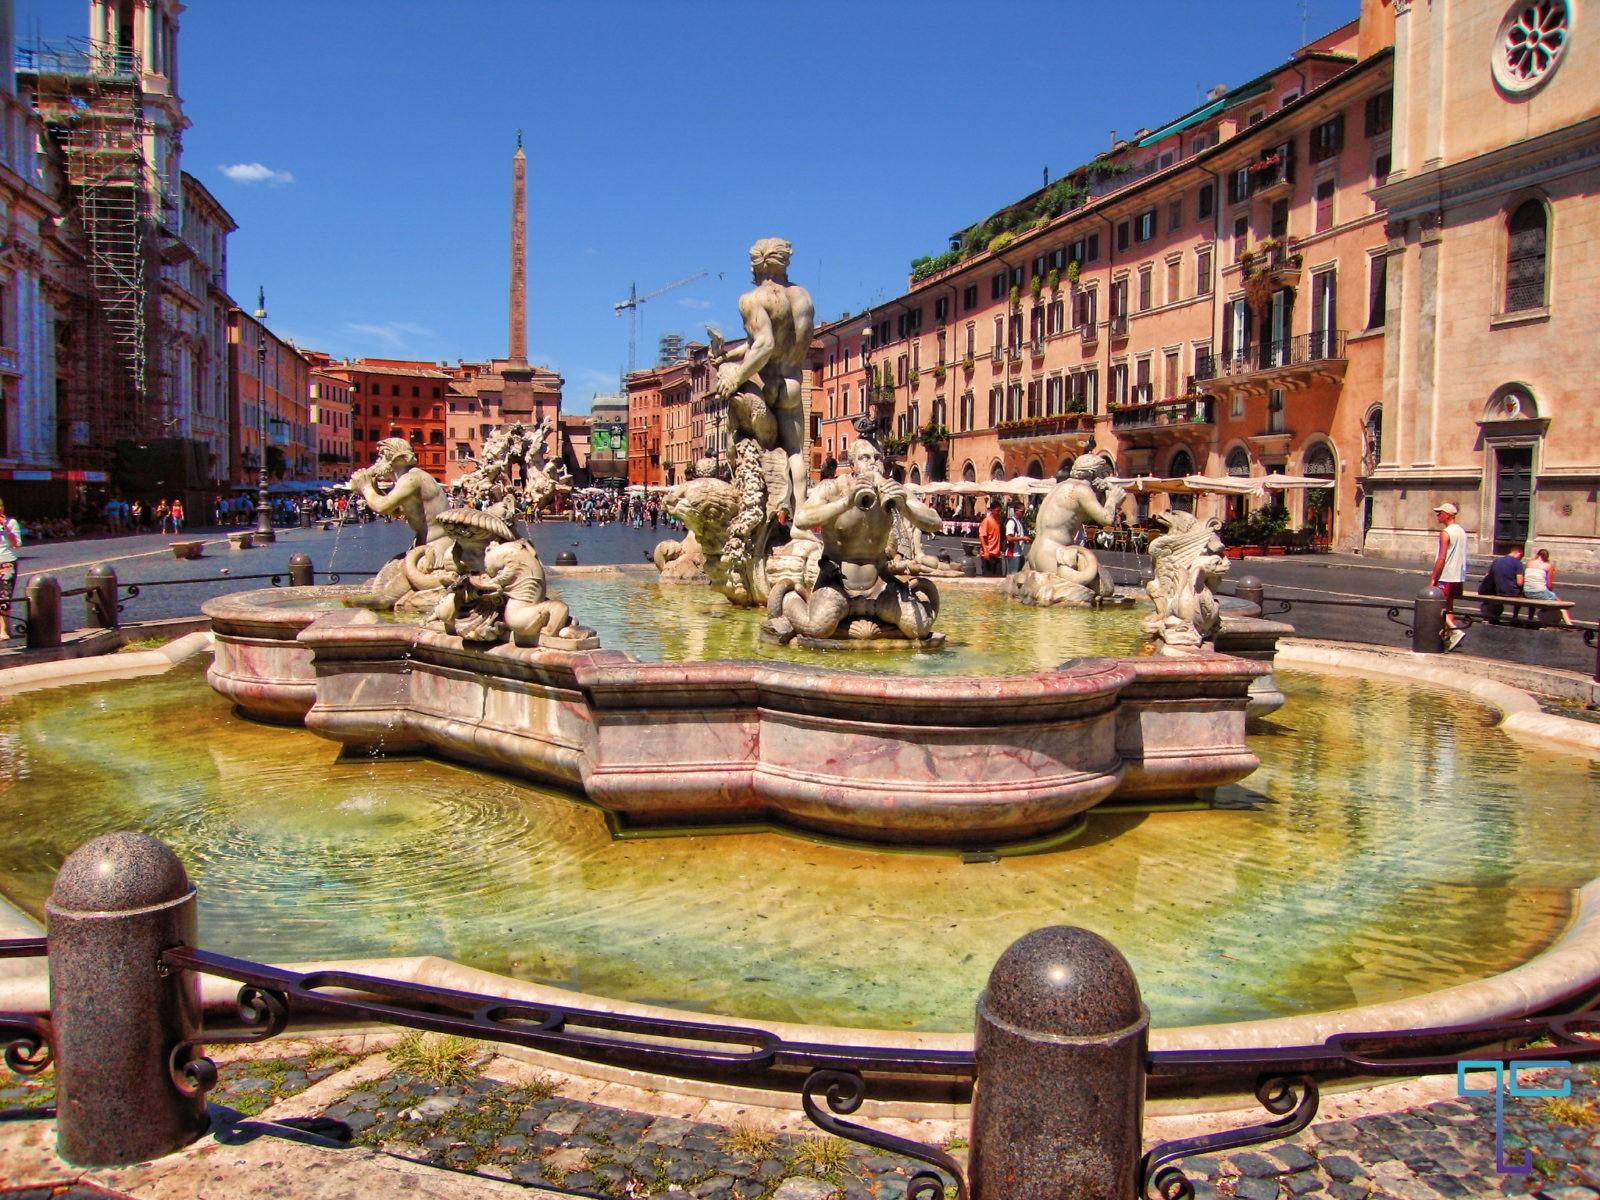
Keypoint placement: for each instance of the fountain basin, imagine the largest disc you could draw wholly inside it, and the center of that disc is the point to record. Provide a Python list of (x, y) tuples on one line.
[(924, 760)]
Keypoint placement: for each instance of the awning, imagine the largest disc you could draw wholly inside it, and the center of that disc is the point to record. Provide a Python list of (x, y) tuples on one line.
[(1188, 122), (1289, 482)]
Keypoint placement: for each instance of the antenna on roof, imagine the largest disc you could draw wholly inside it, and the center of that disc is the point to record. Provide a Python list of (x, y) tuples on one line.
[(1305, 21)]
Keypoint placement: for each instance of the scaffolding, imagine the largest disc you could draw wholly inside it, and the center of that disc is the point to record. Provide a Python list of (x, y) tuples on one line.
[(90, 99)]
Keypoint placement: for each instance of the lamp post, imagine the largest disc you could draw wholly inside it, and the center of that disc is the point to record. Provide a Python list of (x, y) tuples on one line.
[(866, 421), (264, 531)]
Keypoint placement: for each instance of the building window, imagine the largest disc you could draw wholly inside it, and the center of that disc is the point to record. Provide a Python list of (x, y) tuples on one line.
[(1327, 139), (1172, 374), (1202, 271), (1124, 230), (999, 336), (969, 297), (1117, 391), (997, 286), (1532, 39), (1175, 215), (1380, 113), (1146, 274), (1526, 239), (1207, 203), (1324, 205), (1241, 232), (1144, 226), (1380, 171), (1378, 291), (1174, 280), (1239, 185)]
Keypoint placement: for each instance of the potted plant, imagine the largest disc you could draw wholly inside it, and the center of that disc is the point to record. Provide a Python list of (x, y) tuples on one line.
[(932, 436), (1074, 271), (938, 373), (1037, 286), (1055, 280), (915, 375), (1016, 296)]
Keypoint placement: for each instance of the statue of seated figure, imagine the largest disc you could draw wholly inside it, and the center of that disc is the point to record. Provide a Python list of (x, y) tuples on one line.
[(1059, 570)]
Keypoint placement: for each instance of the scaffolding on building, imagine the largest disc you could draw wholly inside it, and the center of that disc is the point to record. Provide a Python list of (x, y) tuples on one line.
[(90, 98)]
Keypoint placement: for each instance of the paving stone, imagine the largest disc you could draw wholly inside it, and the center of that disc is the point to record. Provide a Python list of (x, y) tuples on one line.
[(1256, 1166), (803, 1188), (430, 1109), (1303, 1183), (1342, 1166), (668, 1131), (1570, 1192), (1256, 1188), (563, 1123), (1291, 1157), (718, 1187), (1203, 1166), (1340, 1190), (1337, 1133)]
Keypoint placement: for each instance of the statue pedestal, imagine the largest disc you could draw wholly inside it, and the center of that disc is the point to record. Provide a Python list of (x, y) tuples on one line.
[(888, 641)]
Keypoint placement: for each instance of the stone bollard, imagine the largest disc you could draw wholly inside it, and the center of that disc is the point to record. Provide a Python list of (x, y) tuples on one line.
[(100, 597), (1061, 1037), (1427, 622), (117, 903), (44, 612), (1250, 589), (566, 559), (300, 572)]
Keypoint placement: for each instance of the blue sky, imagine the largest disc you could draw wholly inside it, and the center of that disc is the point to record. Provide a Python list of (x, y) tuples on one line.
[(663, 138)]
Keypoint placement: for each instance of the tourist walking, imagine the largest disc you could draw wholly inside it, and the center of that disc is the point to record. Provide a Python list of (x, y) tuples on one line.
[(989, 540), (1450, 569), (1017, 538), (175, 515), (1539, 577), (10, 543)]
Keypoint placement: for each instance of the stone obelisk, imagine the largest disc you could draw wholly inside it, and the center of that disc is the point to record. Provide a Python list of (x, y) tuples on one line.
[(518, 346)]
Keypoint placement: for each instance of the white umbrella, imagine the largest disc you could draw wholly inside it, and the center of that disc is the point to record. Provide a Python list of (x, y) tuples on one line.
[(1287, 482)]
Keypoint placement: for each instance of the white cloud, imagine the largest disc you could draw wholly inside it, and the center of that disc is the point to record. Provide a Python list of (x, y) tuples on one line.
[(691, 302), (252, 173), (392, 333)]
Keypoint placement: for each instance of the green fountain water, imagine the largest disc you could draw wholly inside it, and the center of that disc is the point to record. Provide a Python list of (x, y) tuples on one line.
[(1392, 843)]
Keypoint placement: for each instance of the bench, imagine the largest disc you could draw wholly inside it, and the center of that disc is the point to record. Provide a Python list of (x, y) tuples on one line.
[(1541, 612), (187, 549), (242, 540)]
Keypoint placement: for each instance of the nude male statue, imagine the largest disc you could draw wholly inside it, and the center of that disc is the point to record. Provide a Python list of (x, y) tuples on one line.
[(1059, 570), (856, 515), (416, 495), (760, 381)]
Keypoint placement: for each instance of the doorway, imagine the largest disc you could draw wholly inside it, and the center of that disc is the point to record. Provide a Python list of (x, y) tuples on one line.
[(1513, 494)]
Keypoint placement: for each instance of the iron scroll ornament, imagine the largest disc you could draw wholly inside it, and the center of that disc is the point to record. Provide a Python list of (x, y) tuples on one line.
[(263, 1011), (1293, 1099), (26, 1039), (844, 1091)]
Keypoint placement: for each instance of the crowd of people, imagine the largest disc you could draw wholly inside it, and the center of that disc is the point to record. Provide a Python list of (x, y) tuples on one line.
[(591, 508), (1508, 576)]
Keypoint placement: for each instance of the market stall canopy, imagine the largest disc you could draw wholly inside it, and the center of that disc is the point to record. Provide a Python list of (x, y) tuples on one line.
[(1289, 482)]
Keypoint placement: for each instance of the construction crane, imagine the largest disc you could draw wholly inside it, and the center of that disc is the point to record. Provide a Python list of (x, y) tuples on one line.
[(632, 305)]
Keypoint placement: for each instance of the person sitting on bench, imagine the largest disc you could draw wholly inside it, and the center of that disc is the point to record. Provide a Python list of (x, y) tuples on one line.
[(1504, 579), (1539, 575)]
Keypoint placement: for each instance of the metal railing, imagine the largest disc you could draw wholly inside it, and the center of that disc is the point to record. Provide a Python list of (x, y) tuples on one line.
[(1326, 345), (1058, 423), (1192, 410)]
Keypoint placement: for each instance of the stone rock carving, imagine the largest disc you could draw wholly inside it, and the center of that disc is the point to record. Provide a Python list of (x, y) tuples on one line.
[(855, 595), (494, 481), (1188, 561), (760, 382), (1059, 570), (496, 588), (706, 505), (417, 497)]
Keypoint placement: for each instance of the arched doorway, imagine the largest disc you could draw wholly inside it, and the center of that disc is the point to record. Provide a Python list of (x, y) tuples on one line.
[(1035, 469), (1181, 466), (1238, 467), (1320, 508), (969, 473), (997, 469), (1513, 430)]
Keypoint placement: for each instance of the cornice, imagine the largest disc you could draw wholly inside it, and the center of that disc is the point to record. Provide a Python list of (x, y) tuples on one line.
[(1521, 164)]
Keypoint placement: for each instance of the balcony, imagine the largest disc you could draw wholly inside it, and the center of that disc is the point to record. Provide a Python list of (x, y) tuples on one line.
[(1152, 420), (1272, 176), (1014, 352), (1036, 347), (1090, 332), (1059, 425), (1296, 363), (1118, 326)]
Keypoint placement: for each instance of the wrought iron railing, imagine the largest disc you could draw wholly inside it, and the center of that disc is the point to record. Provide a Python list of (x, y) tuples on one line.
[(1192, 410), (1326, 345)]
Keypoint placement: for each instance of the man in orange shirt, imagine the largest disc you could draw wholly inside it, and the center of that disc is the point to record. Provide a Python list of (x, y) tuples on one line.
[(989, 540)]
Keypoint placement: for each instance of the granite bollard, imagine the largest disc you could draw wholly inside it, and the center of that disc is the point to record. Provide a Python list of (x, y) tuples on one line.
[(44, 612), (1061, 1036), (1251, 590), (1427, 622), (118, 902), (100, 597), (300, 572)]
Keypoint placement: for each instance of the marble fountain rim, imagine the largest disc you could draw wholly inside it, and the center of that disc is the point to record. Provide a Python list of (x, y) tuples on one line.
[(1558, 972)]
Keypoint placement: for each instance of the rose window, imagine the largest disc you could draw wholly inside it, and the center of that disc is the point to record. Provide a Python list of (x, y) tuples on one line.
[(1532, 39)]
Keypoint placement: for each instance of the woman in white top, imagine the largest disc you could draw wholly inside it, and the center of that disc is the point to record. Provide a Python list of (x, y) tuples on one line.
[(10, 543), (1538, 574)]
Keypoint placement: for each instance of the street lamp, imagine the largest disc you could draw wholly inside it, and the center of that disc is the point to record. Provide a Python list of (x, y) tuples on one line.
[(264, 531), (866, 422)]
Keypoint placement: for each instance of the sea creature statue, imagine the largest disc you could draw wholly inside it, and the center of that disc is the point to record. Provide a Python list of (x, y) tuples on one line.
[(1059, 570), (760, 382), (1188, 561), (906, 555), (706, 505), (496, 589), (540, 476), (855, 594), (416, 496)]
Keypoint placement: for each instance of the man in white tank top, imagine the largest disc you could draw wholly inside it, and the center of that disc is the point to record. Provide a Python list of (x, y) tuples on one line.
[(1450, 569)]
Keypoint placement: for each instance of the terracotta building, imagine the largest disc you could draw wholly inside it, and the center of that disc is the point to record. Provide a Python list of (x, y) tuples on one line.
[(266, 371), (484, 395), (331, 410), (391, 397), (1493, 282), (1196, 300)]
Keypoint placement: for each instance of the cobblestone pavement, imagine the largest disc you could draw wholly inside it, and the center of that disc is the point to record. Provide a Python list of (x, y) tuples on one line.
[(524, 1130)]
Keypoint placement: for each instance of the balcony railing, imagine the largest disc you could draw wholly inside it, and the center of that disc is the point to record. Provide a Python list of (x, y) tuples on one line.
[(1143, 393), (1090, 331), (1327, 345), (1037, 347), (1118, 325), (1193, 410), (1051, 426)]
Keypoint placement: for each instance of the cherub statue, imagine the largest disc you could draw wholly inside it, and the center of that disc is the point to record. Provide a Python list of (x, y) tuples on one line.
[(473, 600), (1059, 570), (1187, 561), (530, 611)]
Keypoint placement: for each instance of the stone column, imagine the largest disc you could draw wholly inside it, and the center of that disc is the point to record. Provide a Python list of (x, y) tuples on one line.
[(117, 903), (1061, 1036)]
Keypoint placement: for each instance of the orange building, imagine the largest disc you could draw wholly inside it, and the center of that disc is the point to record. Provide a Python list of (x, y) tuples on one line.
[(391, 397), (485, 395), (267, 372), (1197, 300), (645, 427), (331, 410)]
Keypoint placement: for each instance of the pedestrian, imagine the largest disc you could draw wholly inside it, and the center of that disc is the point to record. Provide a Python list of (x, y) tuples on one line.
[(1017, 538), (1539, 582), (1450, 569), (175, 514), (10, 543), (1503, 579), (989, 540)]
